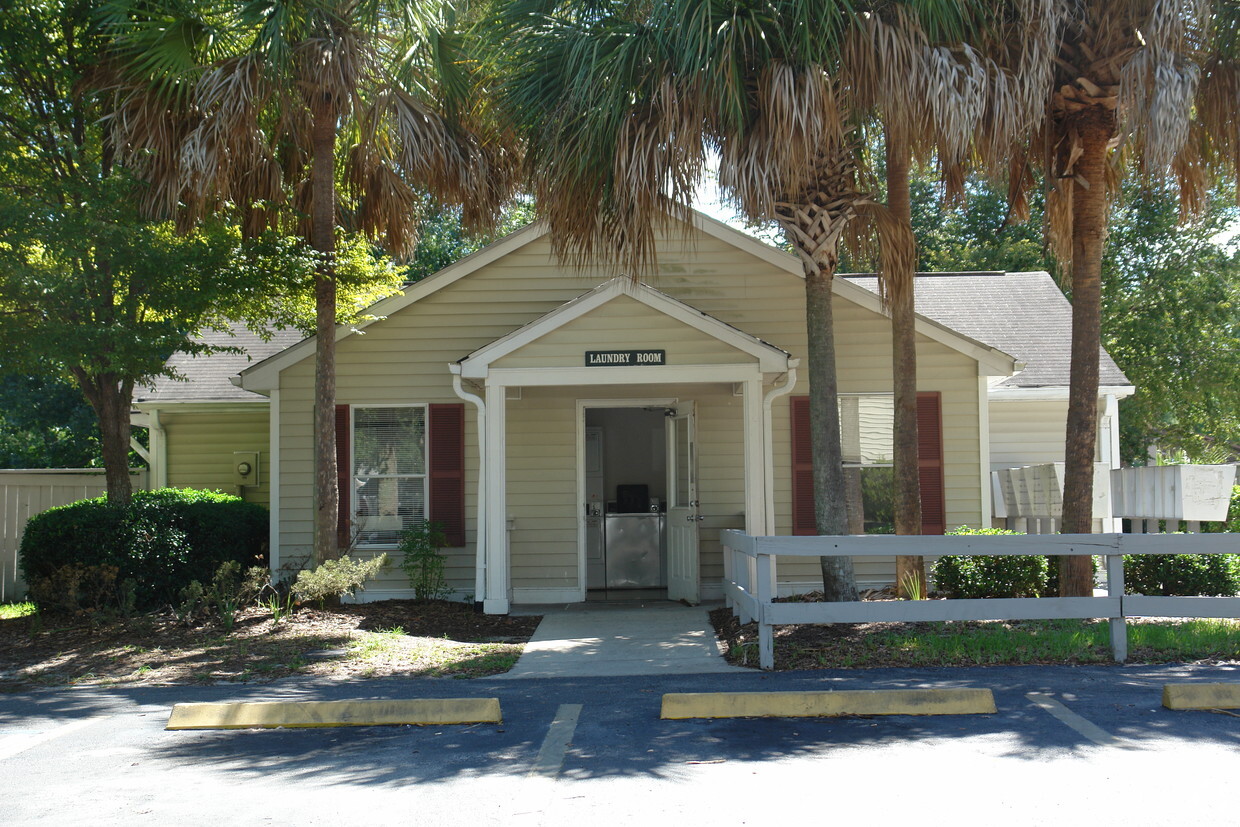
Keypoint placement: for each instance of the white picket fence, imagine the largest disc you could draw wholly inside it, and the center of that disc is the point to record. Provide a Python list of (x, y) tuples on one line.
[(749, 581), (24, 493)]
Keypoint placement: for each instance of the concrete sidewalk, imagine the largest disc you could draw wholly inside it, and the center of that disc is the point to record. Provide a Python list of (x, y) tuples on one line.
[(599, 639)]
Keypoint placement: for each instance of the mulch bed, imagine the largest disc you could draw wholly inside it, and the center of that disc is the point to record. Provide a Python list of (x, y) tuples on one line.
[(150, 649)]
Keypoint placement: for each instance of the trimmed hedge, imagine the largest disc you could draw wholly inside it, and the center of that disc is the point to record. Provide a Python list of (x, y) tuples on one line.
[(161, 541), (972, 577), (1192, 575)]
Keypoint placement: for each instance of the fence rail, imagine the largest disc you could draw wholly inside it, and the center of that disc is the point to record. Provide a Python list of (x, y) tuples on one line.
[(24, 493), (750, 575)]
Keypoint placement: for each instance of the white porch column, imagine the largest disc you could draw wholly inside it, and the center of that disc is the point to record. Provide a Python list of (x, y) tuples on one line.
[(755, 474), (495, 468), (755, 463)]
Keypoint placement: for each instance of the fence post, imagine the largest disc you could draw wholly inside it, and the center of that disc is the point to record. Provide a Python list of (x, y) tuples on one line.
[(728, 580), (1115, 587), (766, 591)]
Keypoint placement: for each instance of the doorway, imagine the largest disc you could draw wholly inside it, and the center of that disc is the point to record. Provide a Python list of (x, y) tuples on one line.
[(629, 452)]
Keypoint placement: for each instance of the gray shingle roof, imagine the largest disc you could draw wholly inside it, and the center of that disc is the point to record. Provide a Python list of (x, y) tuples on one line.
[(209, 376), (1024, 314)]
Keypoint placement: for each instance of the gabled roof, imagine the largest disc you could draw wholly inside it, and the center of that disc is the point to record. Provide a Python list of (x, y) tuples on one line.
[(208, 377), (770, 358), (265, 375), (1024, 314)]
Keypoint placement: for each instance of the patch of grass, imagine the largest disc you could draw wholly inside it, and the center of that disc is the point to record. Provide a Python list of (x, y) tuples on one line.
[(382, 644), (12, 611), (983, 643)]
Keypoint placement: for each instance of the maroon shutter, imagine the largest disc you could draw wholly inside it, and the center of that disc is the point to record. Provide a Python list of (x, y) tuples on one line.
[(803, 521), (930, 462), (446, 463), (344, 476)]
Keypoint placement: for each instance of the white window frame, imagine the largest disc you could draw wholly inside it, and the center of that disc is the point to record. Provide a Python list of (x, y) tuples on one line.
[(354, 517)]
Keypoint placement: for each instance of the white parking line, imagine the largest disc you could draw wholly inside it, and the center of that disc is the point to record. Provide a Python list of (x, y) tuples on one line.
[(555, 745), (1091, 731), (15, 744)]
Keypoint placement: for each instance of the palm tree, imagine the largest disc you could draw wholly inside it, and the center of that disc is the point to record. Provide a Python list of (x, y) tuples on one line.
[(311, 115), (921, 69), (621, 104), (1144, 76)]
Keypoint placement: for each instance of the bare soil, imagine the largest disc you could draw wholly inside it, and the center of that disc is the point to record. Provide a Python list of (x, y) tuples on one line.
[(381, 639)]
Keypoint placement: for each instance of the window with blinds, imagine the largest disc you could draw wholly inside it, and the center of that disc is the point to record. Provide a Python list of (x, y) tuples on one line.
[(388, 471)]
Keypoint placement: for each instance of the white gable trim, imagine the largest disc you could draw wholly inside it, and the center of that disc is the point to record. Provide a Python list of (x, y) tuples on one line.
[(991, 361), (265, 375), (770, 359)]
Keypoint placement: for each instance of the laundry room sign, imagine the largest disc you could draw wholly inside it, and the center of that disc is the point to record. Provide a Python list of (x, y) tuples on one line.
[(611, 358)]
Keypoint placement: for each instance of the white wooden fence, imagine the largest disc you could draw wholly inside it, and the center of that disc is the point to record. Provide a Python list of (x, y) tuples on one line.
[(749, 581), (24, 493)]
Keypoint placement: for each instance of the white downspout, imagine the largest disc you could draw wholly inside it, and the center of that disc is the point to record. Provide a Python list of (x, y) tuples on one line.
[(480, 563), (768, 438)]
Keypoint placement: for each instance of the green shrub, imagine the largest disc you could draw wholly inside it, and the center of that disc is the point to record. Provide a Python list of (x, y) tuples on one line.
[(94, 591), (161, 541), (1206, 575), (1232, 523), (422, 561), (970, 577), (336, 578)]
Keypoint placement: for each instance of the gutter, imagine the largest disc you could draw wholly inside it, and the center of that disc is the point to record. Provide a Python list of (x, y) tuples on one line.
[(768, 439), (480, 546)]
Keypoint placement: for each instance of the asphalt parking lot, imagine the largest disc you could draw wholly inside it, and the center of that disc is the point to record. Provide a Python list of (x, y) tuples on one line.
[(1086, 745)]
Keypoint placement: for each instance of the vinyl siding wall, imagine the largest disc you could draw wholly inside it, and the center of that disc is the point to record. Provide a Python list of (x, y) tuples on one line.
[(404, 359), (200, 449)]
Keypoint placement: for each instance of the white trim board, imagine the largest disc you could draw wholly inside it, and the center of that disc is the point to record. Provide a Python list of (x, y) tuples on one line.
[(770, 358), (265, 375)]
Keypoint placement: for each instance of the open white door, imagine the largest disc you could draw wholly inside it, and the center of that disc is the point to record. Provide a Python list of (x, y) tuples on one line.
[(682, 507)]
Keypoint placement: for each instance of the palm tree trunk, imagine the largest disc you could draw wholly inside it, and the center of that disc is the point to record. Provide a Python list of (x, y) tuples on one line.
[(1089, 218), (904, 370), (830, 511), (323, 239)]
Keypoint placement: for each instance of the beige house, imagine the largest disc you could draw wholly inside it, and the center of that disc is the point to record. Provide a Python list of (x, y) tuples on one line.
[(577, 431)]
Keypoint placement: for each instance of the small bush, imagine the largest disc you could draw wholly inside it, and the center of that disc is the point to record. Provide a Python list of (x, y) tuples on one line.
[(971, 577), (161, 541), (422, 561), (94, 591), (1206, 575), (228, 593), (336, 578)]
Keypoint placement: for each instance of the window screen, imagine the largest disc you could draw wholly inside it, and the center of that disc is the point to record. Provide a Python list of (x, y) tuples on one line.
[(389, 471)]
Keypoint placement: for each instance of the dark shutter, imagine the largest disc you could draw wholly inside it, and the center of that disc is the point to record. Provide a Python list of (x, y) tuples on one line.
[(803, 521), (929, 465), (930, 462), (446, 462), (344, 476)]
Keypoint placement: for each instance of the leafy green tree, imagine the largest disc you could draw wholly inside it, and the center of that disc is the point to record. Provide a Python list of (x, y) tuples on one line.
[(312, 116), (1170, 293), (89, 289), (45, 423), (443, 239), (1171, 320)]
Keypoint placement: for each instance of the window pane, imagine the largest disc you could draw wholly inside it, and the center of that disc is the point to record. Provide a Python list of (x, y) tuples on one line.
[(385, 506), (878, 498), (389, 441), (866, 424)]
